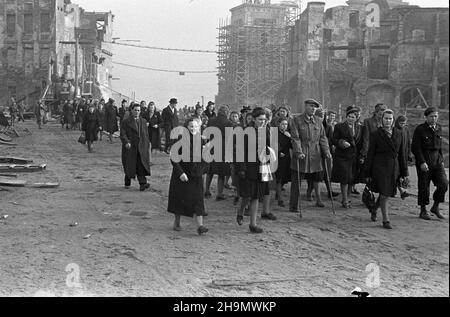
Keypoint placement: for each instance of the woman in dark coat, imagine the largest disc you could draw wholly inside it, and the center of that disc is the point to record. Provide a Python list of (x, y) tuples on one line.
[(283, 173), (67, 115), (186, 184), (252, 187), (101, 113), (91, 126), (386, 164), (155, 123), (111, 115), (344, 140)]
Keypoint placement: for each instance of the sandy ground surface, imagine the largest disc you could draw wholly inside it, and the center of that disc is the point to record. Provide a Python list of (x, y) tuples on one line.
[(132, 250)]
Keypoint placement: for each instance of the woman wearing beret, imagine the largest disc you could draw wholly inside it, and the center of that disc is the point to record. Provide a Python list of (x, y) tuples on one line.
[(344, 139)]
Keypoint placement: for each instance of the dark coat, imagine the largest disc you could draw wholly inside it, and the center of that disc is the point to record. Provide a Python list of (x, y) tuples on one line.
[(220, 168), (427, 145), (386, 161), (344, 159), (140, 143), (155, 133), (187, 199), (91, 126), (283, 173), (111, 114), (101, 116), (170, 119), (67, 113)]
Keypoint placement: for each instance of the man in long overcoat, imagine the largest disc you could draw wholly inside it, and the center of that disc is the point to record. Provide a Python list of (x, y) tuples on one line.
[(135, 149), (309, 145), (111, 115), (170, 120)]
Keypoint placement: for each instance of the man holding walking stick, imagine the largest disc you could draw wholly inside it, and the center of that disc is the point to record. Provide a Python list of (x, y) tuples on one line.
[(309, 142)]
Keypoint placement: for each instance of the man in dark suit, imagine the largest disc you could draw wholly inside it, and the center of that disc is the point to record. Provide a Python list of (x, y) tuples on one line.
[(135, 149), (170, 120), (427, 148)]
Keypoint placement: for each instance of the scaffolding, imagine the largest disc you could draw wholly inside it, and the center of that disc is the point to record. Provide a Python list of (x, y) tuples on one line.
[(252, 53)]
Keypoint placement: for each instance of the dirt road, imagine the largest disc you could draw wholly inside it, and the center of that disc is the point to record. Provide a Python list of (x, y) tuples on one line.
[(132, 251)]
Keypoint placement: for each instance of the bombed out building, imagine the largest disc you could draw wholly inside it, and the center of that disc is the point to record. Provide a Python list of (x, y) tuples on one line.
[(53, 50), (368, 52)]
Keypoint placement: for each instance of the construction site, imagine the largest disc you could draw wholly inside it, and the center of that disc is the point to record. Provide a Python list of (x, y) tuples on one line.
[(252, 47)]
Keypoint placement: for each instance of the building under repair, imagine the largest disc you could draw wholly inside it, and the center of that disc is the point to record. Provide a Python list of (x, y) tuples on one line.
[(252, 45), (53, 50), (367, 52)]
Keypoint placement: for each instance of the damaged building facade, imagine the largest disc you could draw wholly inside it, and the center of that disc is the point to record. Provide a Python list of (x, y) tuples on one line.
[(53, 50), (367, 52)]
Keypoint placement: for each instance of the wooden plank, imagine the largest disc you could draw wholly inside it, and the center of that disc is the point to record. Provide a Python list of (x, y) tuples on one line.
[(7, 143), (44, 185), (12, 183), (14, 160), (12, 168)]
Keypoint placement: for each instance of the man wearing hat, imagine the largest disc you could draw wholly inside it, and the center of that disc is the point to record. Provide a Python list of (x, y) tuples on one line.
[(170, 120), (209, 112), (427, 148), (309, 144)]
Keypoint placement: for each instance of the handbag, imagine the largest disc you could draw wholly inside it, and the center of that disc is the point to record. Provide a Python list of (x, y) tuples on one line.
[(368, 197), (82, 139)]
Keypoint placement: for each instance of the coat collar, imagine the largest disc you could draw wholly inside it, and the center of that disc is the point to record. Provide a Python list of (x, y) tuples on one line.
[(387, 139)]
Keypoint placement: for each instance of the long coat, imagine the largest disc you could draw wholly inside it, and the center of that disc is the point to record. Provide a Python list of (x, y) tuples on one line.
[(67, 113), (91, 125), (155, 133), (111, 114), (170, 121), (140, 144), (343, 159), (187, 199), (386, 161), (309, 139), (220, 168)]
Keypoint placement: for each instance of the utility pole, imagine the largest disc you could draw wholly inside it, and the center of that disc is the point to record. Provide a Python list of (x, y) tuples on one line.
[(435, 81), (77, 43)]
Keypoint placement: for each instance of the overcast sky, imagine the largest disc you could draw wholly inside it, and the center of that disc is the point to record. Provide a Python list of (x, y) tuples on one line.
[(176, 24)]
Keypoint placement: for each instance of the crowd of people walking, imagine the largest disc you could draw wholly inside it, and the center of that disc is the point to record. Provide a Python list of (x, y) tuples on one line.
[(312, 146)]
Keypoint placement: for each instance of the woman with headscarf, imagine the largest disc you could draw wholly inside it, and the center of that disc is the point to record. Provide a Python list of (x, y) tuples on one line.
[(283, 173), (186, 196), (386, 164), (344, 141), (111, 115), (91, 125)]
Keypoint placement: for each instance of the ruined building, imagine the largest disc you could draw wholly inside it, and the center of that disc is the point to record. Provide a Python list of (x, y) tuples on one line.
[(368, 52), (251, 52), (53, 49)]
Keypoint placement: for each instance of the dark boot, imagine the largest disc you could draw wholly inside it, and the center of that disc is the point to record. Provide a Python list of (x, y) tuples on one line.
[(424, 214), (435, 210)]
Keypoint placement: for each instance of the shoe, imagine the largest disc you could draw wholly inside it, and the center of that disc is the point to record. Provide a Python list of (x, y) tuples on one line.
[(355, 192), (202, 230), (240, 220), (208, 195), (281, 203), (236, 201), (269, 216), (246, 211), (320, 204), (177, 228), (425, 216), (404, 195), (220, 198), (437, 212), (309, 198), (373, 216), (346, 205), (127, 186), (227, 186), (144, 187), (387, 225), (255, 229)]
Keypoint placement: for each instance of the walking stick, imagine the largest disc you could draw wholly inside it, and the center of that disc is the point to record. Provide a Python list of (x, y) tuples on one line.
[(329, 182), (299, 203)]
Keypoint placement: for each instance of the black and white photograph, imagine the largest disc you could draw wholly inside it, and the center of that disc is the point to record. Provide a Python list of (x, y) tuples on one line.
[(241, 150)]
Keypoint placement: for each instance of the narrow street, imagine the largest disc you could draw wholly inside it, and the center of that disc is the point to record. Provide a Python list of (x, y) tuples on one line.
[(124, 245)]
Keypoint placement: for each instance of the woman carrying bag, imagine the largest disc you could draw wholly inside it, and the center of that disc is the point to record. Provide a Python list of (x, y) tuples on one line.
[(386, 164), (91, 126)]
